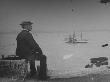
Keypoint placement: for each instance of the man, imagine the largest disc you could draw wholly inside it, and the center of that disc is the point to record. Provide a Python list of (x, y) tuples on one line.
[(28, 49)]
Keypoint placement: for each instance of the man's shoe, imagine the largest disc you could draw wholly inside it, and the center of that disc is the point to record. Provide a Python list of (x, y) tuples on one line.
[(31, 76)]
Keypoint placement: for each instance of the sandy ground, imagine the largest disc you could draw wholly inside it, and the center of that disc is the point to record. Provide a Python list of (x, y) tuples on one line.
[(86, 78)]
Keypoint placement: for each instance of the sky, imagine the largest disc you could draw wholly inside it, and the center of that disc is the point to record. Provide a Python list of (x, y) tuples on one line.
[(54, 15)]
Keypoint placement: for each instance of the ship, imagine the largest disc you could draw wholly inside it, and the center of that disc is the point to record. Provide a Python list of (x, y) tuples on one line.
[(72, 39)]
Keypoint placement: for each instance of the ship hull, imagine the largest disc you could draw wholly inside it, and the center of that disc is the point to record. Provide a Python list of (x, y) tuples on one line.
[(76, 42)]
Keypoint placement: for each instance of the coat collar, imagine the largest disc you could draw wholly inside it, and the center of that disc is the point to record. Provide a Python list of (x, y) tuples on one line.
[(25, 30)]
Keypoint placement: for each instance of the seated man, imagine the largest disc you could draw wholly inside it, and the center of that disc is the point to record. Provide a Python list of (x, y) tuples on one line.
[(28, 49)]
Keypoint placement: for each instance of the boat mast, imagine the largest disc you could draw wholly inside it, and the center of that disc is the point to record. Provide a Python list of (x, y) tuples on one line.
[(74, 38), (81, 35)]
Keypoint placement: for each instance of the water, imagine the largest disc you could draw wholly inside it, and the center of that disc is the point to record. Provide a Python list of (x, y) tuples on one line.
[(63, 58)]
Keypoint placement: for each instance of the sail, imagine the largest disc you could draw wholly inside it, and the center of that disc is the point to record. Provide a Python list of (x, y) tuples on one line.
[(73, 39)]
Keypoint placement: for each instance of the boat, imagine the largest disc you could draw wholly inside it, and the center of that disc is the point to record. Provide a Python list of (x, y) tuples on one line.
[(73, 39)]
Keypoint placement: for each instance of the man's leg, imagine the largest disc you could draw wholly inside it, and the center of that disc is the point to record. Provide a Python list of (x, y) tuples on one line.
[(43, 67), (32, 67)]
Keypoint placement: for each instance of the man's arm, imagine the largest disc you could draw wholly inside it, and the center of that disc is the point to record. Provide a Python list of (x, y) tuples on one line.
[(33, 44)]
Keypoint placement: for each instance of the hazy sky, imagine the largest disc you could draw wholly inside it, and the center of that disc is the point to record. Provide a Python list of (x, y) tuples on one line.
[(54, 15)]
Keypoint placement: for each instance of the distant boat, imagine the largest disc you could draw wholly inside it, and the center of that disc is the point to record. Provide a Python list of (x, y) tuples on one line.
[(72, 39)]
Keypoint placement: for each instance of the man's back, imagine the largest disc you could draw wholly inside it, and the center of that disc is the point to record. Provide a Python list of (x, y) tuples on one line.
[(23, 48)]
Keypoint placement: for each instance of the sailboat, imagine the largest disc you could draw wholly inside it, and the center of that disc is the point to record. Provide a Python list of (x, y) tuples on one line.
[(72, 39)]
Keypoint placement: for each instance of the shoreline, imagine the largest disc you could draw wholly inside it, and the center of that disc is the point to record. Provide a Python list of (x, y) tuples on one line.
[(91, 75)]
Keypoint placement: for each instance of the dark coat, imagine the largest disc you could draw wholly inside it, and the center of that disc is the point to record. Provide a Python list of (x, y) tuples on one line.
[(26, 45)]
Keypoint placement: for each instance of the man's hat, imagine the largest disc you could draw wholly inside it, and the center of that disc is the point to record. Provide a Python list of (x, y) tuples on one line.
[(26, 23)]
